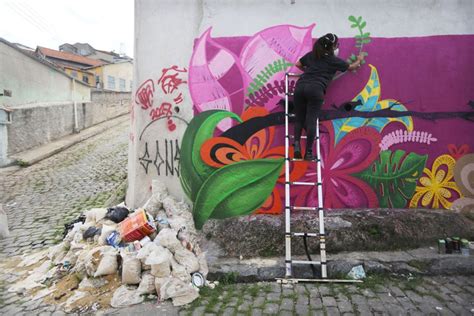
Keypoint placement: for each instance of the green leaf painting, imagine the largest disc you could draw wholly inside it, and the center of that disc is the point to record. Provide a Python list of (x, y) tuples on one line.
[(236, 189), (394, 176), (192, 169)]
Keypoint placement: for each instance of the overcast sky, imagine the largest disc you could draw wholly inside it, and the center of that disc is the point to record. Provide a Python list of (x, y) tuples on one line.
[(105, 24)]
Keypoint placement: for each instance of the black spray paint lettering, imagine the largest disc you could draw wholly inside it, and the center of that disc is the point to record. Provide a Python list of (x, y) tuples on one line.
[(166, 157)]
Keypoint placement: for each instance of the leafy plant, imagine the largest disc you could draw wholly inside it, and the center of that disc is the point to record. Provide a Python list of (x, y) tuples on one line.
[(394, 176), (236, 189), (361, 38), (192, 169)]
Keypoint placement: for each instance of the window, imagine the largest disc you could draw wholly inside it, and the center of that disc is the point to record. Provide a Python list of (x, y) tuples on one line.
[(110, 82), (97, 80), (131, 85), (74, 73), (85, 78), (122, 84)]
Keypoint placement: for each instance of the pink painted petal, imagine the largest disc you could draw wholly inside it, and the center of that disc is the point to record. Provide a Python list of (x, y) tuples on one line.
[(275, 43), (356, 151), (215, 78), (348, 192)]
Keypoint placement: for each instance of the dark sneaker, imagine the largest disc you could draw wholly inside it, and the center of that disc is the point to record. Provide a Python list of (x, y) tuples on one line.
[(309, 155), (297, 151)]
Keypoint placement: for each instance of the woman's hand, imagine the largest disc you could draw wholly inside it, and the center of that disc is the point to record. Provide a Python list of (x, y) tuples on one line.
[(356, 64)]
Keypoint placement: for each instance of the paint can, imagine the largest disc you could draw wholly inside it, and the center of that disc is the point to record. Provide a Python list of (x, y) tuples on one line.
[(449, 245), (456, 244), (441, 246), (465, 247)]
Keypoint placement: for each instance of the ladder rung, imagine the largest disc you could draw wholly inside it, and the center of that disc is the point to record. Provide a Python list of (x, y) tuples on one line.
[(290, 93), (290, 115), (293, 159), (306, 234), (303, 183), (303, 136), (291, 74), (305, 262), (304, 208)]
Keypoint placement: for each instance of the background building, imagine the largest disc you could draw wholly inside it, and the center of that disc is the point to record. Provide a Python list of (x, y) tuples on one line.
[(115, 77)]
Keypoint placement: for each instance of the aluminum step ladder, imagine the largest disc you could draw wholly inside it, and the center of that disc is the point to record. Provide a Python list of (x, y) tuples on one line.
[(289, 262)]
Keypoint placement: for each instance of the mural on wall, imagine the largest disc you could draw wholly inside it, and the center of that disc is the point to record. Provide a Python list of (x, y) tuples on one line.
[(380, 148)]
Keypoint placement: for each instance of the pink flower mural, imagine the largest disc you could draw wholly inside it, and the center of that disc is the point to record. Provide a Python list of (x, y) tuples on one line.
[(219, 79), (354, 153)]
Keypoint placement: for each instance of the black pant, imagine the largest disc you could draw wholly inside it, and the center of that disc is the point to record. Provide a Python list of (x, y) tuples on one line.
[(308, 100)]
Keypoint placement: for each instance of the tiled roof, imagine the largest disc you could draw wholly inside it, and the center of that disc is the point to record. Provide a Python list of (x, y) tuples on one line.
[(69, 57)]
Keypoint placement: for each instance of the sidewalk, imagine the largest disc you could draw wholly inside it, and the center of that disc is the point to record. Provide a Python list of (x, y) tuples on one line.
[(32, 156)]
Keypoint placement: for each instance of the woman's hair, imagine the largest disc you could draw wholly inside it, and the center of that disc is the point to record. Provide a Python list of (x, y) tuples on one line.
[(323, 46)]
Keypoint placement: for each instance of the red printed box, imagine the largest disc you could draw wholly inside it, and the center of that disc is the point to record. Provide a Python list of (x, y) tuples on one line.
[(135, 227)]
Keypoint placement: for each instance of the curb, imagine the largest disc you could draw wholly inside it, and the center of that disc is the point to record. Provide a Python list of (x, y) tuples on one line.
[(34, 155), (423, 261)]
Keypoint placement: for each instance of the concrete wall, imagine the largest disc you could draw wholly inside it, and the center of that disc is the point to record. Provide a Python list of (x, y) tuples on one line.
[(38, 124), (34, 82), (201, 61)]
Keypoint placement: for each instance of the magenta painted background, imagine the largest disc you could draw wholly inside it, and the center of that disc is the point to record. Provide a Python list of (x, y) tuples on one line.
[(425, 74)]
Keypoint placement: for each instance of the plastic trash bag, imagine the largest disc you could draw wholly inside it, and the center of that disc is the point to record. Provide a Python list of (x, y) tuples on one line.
[(180, 292), (71, 228), (91, 232), (117, 213), (106, 231), (187, 259), (159, 260), (167, 238), (125, 296), (131, 268), (357, 273), (108, 264), (174, 208), (147, 284), (179, 271), (94, 215)]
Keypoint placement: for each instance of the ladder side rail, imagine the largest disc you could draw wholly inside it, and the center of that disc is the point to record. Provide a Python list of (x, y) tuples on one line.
[(288, 270), (322, 235)]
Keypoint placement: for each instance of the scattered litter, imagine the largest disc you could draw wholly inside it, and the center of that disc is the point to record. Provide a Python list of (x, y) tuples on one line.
[(131, 268), (115, 257), (91, 232), (124, 296), (68, 227), (136, 227), (357, 273), (114, 239), (439, 308), (117, 214)]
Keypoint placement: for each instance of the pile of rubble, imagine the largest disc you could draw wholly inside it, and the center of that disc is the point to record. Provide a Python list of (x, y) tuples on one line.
[(123, 256)]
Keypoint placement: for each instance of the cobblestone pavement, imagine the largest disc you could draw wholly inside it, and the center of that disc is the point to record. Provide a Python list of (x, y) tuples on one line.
[(39, 199), (377, 296)]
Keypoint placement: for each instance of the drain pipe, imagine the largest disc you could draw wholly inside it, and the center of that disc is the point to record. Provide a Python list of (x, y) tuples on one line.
[(76, 124)]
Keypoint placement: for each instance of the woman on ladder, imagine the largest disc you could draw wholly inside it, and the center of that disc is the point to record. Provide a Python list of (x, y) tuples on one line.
[(319, 67)]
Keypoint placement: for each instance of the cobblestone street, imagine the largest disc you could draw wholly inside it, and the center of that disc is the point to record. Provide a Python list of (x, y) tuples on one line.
[(41, 198)]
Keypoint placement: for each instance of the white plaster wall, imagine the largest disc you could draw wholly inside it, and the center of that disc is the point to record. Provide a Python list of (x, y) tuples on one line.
[(165, 31), (384, 18), (33, 82), (164, 36)]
